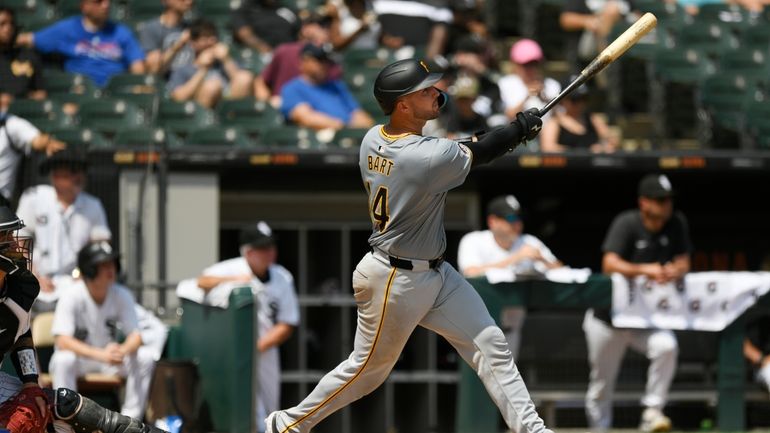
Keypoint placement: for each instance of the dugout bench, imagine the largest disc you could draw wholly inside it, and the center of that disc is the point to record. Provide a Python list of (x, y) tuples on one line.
[(477, 414)]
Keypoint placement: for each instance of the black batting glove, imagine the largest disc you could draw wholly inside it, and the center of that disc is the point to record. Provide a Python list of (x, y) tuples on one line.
[(529, 124)]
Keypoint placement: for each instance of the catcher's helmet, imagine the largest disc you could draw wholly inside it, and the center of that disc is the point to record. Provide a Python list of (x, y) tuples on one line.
[(18, 248), (94, 253), (401, 78)]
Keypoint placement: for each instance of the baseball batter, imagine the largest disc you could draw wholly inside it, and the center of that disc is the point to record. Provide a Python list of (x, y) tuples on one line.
[(24, 407), (404, 282)]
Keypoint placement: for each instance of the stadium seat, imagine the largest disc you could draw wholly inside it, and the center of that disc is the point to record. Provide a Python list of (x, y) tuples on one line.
[(142, 10), (122, 84), (183, 117), (109, 115), (711, 38), (144, 137), (31, 14), (218, 10), (730, 15), (62, 82), (682, 65), (46, 114), (349, 137), (249, 59), (748, 62), (248, 113), (81, 137), (758, 122), (218, 136), (289, 136), (725, 98), (757, 37), (66, 8)]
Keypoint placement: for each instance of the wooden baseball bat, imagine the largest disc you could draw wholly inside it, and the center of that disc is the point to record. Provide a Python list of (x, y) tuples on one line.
[(620, 45)]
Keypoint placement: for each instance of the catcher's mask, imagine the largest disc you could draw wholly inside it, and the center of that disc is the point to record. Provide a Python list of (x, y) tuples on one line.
[(12, 245)]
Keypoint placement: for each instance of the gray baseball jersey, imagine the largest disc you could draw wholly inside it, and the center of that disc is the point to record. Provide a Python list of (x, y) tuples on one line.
[(407, 178)]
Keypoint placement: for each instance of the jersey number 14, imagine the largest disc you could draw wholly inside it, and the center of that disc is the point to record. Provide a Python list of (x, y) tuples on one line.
[(379, 210)]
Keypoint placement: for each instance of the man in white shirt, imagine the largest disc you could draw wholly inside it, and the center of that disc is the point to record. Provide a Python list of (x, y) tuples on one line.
[(96, 330), (18, 138), (505, 246), (62, 218), (278, 307)]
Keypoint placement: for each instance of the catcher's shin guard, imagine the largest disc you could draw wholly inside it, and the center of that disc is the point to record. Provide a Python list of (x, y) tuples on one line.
[(85, 416)]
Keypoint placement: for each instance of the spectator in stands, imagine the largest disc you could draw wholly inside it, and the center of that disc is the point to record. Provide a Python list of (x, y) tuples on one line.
[(18, 138), (756, 348), (62, 218), (652, 241), (312, 100), (212, 74), (574, 127), (468, 21), (21, 72), (589, 23), (279, 310), (458, 117), (165, 38), (505, 246), (353, 25), (91, 44), (285, 65), (420, 24), (96, 330), (471, 59), (262, 25), (526, 87)]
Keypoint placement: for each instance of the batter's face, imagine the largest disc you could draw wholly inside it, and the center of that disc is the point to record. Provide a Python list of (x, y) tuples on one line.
[(655, 212), (422, 104)]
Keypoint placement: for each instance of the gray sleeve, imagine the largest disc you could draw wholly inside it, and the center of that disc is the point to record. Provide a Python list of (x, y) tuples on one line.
[(150, 36), (179, 76), (449, 165)]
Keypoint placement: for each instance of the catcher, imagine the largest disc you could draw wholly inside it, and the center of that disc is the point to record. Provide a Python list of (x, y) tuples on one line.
[(24, 406)]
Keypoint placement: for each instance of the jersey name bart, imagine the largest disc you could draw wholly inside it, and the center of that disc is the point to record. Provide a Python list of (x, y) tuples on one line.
[(380, 165)]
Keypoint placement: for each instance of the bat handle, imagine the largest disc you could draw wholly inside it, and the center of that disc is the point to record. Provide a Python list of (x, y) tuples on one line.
[(566, 91)]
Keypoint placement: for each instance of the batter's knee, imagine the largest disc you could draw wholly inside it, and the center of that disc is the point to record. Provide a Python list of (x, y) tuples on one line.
[(491, 338)]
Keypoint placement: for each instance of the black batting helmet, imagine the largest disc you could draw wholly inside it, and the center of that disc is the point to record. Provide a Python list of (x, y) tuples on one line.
[(93, 254), (401, 78)]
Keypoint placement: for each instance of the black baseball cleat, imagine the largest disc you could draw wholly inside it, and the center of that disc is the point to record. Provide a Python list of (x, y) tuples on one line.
[(85, 416)]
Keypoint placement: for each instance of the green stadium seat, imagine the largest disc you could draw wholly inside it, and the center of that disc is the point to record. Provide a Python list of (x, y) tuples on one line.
[(730, 15), (249, 59), (142, 10), (725, 98), (183, 117), (758, 122), (218, 136), (248, 113), (62, 82), (65, 8), (349, 138), (757, 37), (669, 14), (289, 136), (32, 23), (31, 14), (682, 65), (122, 84), (217, 10), (81, 137), (46, 114), (750, 63), (109, 115), (711, 38), (144, 137)]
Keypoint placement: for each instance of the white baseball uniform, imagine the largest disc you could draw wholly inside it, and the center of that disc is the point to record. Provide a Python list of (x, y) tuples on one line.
[(480, 248), (404, 282), (15, 142), (78, 315), (59, 233), (514, 92), (278, 303)]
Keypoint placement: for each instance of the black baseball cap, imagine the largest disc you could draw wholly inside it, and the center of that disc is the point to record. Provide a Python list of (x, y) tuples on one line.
[(656, 186), (72, 157), (259, 235), (506, 207), (316, 52)]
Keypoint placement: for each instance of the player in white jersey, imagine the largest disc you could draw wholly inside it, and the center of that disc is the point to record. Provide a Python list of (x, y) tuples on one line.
[(278, 307), (61, 218), (24, 407), (404, 282), (505, 247)]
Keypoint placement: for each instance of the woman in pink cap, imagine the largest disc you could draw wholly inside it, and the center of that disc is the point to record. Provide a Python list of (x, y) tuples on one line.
[(526, 87)]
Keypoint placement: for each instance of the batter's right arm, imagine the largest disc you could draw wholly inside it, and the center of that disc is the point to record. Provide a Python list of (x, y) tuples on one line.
[(495, 143)]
